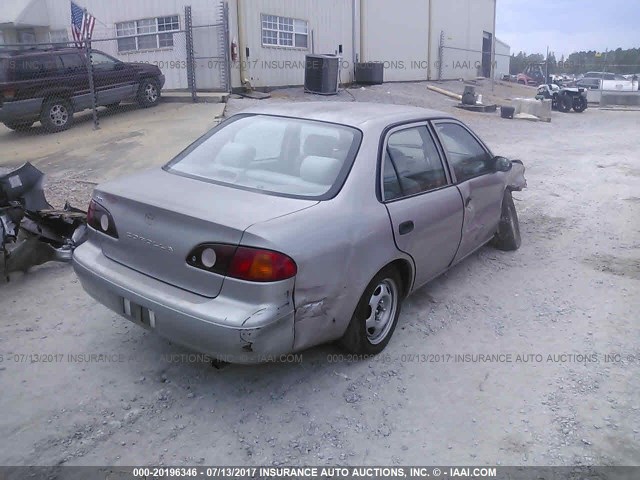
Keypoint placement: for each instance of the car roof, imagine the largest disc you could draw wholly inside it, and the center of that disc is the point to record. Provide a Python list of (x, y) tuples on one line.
[(355, 114)]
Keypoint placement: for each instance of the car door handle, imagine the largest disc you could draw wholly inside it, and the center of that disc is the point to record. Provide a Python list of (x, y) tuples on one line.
[(406, 227), (467, 202)]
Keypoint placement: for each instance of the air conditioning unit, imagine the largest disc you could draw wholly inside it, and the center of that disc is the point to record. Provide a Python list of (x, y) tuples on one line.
[(370, 73), (321, 74)]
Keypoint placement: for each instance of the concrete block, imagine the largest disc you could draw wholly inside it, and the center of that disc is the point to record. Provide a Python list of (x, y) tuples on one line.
[(531, 106), (620, 98)]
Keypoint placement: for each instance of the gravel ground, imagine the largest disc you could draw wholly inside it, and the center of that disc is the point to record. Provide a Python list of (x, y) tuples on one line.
[(552, 311)]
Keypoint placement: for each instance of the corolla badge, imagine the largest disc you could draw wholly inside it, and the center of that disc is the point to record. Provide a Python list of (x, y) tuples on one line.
[(149, 242)]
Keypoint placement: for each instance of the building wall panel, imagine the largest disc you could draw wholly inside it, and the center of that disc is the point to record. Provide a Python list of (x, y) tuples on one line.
[(463, 23), (396, 33), (329, 26)]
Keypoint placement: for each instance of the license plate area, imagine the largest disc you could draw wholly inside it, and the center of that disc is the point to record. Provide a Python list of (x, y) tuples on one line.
[(138, 314)]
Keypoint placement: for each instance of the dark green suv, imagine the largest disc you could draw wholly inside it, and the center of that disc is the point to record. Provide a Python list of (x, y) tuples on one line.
[(50, 85)]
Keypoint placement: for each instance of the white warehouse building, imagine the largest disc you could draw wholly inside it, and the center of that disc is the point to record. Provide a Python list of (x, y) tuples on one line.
[(502, 65), (267, 40)]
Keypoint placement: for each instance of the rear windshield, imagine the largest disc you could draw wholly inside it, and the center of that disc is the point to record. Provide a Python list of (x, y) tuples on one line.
[(274, 155)]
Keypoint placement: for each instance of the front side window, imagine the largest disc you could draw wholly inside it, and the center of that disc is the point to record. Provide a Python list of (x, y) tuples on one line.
[(273, 155), (284, 32), (466, 155), (100, 61), (147, 33), (412, 164), (1, 38)]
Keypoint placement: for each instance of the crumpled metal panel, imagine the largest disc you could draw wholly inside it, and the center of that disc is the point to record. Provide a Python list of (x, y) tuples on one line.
[(32, 232), (516, 180)]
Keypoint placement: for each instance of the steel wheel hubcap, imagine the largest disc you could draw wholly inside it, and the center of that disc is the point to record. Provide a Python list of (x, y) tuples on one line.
[(151, 92), (381, 311), (59, 115)]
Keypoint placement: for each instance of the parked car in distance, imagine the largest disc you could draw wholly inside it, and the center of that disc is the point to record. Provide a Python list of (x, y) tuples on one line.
[(592, 83), (589, 83), (292, 225), (604, 75), (50, 85)]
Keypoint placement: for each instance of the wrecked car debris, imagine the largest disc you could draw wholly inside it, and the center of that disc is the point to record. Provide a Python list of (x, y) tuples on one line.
[(32, 232)]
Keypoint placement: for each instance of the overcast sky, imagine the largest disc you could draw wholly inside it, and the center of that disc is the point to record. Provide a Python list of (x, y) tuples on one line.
[(568, 25)]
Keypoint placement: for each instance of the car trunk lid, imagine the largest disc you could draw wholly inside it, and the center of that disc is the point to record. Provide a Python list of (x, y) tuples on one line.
[(160, 217)]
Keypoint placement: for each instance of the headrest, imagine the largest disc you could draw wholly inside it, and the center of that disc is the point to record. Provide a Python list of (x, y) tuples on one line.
[(320, 146), (321, 170), (236, 155)]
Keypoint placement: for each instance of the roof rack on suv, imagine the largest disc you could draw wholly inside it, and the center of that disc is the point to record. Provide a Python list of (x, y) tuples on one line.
[(13, 51)]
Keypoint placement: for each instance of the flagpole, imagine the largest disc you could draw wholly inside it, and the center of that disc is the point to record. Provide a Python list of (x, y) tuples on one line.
[(87, 44)]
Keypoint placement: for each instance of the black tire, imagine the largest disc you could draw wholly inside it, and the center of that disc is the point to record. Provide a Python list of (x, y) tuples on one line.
[(507, 237), (564, 102), (148, 93), (370, 340), (57, 114), (522, 82), (579, 104), (19, 127)]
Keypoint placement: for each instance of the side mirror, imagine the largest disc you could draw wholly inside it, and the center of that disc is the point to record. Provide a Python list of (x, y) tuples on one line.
[(502, 164), (118, 66)]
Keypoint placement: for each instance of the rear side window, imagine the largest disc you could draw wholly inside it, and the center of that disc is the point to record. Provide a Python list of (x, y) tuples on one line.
[(412, 164), (72, 62), (35, 67)]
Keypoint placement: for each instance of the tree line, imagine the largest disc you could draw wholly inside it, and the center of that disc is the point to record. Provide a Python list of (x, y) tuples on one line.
[(615, 61)]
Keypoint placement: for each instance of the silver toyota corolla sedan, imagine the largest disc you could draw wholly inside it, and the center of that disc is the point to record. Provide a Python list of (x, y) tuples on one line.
[(292, 225)]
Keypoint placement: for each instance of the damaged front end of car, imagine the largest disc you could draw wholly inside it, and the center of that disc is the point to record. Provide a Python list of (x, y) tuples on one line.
[(32, 232), (516, 180)]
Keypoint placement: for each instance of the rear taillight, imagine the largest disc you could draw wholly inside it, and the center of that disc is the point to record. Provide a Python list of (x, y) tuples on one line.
[(244, 263), (100, 219)]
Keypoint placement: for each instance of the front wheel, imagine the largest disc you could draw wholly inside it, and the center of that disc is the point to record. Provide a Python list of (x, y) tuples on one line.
[(565, 102), (579, 104), (376, 314), (507, 237), (148, 93)]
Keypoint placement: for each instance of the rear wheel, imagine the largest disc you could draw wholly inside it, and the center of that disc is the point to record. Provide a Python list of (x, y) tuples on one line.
[(56, 115), (565, 102), (148, 93), (19, 127), (579, 104), (376, 314), (508, 235)]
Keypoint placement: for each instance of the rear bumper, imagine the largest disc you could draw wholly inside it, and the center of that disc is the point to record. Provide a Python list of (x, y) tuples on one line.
[(225, 328)]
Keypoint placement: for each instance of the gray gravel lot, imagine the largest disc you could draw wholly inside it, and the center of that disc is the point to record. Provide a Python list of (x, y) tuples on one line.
[(550, 312)]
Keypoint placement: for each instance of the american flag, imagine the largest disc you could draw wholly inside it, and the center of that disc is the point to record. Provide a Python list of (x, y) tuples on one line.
[(81, 24)]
